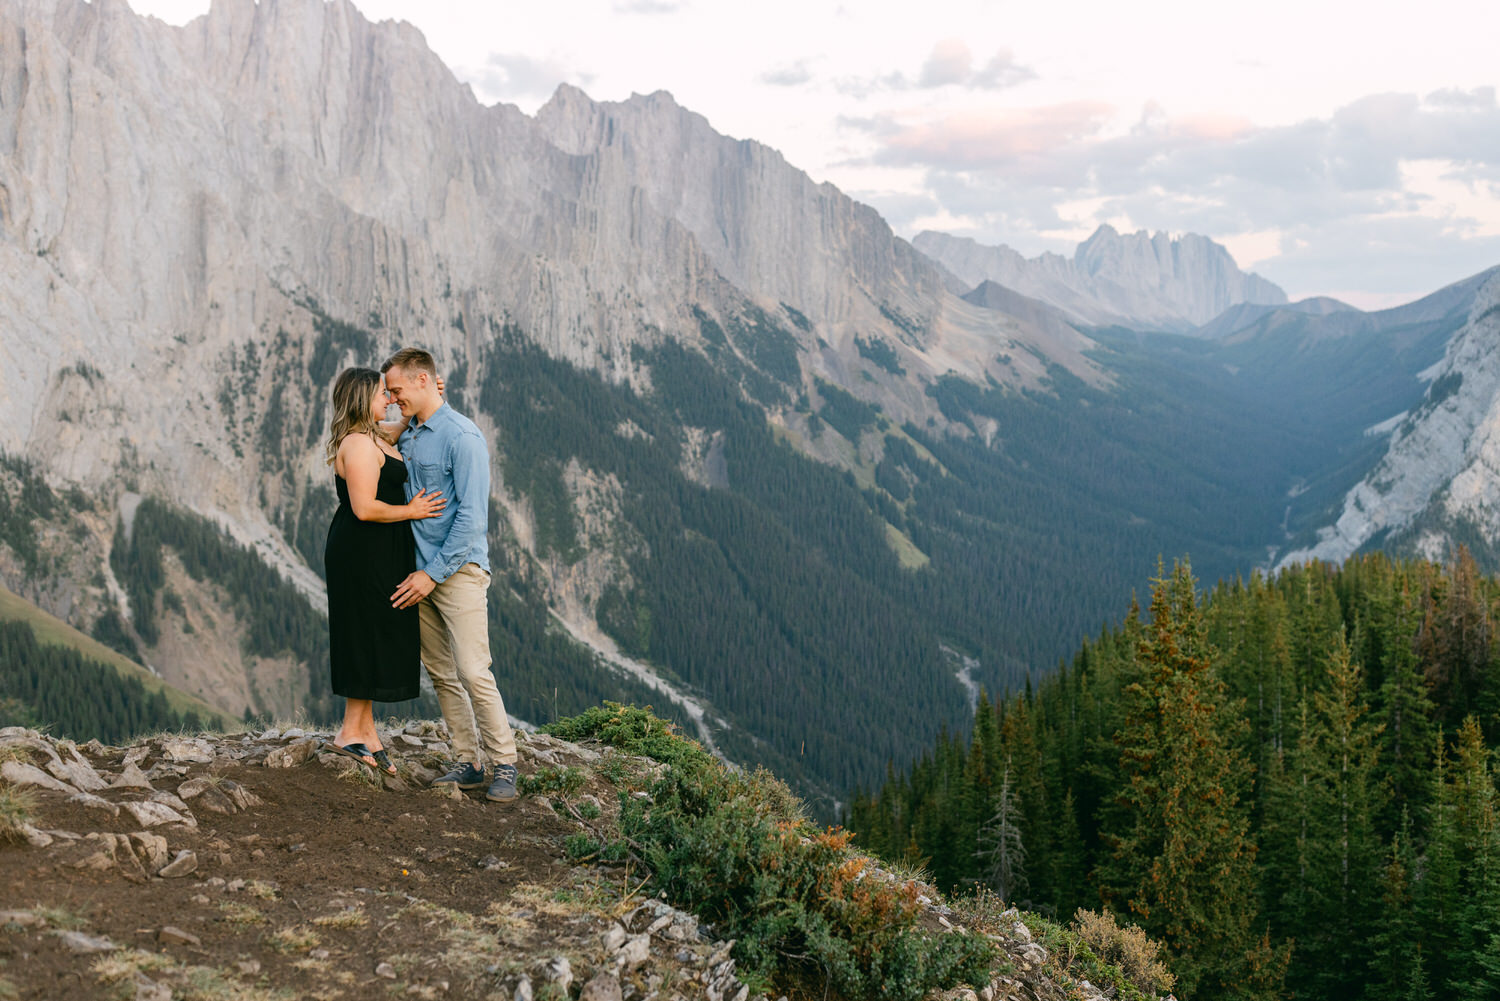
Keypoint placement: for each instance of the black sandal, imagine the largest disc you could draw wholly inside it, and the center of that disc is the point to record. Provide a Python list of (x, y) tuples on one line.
[(358, 752), (383, 760)]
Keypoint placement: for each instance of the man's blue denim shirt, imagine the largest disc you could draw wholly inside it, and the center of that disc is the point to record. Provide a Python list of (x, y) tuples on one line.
[(448, 454)]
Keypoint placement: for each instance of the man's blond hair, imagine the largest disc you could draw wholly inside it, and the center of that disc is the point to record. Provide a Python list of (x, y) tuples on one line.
[(411, 360)]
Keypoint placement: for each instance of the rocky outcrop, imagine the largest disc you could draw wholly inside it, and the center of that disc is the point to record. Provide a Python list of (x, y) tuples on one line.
[(1146, 281), (269, 863), (1440, 478)]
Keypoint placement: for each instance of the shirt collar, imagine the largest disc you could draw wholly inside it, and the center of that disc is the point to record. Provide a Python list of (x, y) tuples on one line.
[(439, 416)]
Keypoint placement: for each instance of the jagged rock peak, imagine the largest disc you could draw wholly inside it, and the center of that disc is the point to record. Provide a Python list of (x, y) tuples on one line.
[(1139, 279)]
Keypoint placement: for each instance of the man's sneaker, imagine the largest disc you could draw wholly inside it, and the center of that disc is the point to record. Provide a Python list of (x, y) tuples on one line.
[(503, 789), (464, 775)]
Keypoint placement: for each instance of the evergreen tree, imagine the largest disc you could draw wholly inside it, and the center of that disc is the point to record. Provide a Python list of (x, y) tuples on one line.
[(1001, 851), (1338, 851), (1181, 859)]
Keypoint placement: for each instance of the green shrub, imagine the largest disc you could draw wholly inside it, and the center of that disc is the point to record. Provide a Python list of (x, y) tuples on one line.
[(548, 780), (802, 905), (631, 729)]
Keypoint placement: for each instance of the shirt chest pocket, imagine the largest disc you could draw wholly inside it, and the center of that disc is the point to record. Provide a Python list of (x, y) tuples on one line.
[(432, 475)]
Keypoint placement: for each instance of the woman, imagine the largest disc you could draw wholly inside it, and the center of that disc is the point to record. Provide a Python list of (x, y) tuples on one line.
[(373, 648)]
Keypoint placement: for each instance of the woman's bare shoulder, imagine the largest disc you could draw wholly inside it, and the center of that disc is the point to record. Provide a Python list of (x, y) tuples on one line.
[(359, 448)]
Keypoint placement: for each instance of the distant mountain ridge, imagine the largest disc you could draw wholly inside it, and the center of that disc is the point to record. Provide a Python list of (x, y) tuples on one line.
[(1138, 280), (1438, 483)]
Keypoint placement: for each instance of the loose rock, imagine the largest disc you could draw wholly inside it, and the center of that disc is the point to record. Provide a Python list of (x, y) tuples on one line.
[(385, 970), (171, 935), (603, 987), (22, 773), (77, 941), (291, 755), (185, 862), (131, 777), (155, 814)]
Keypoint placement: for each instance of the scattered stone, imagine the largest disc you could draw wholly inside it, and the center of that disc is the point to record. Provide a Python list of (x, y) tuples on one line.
[(492, 863), (420, 773), (136, 755), (614, 938), (522, 991), (200, 899), (558, 971), (1020, 932), (294, 733), (93, 802), (168, 799), (439, 747), (248, 967), (271, 735), (319, 954), (77, 773), (291, 755), (1033, 954), (34, 837), (238, 794), (147, 989), (602, 987), (206, 795), (99, 861), (385, 970), (409, 740), (151, 849), (22, 773), (180, 749), (131, 777), (77, 941), (21, 919), (393, 783), (186, 861), (235, 885), (170, 935), (150, 814), (634, 952)]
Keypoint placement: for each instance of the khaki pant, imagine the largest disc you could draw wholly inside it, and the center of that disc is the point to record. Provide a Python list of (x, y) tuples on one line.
[(456, 650)]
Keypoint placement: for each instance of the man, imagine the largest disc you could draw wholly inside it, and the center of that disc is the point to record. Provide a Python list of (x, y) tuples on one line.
[(445, 452)]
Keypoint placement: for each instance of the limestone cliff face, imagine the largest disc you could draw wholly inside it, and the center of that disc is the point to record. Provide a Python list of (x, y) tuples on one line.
[(1439, 482), (185, 212), (1137, 280)]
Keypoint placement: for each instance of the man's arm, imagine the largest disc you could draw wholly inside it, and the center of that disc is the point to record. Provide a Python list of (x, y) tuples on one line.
[(471, 495)]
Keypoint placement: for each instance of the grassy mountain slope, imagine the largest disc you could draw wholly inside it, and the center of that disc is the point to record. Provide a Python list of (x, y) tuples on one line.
[(52, 631)]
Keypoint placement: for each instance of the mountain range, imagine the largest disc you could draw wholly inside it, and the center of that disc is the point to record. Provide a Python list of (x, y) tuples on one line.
[(754, 454)]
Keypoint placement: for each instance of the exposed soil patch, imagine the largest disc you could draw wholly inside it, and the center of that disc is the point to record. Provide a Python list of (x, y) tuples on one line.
[(331, 883)]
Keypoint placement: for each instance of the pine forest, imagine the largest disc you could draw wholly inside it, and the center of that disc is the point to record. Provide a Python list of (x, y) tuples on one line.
[(1290, 782)]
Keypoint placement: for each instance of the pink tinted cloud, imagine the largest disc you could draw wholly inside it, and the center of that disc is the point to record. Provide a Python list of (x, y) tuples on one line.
[(978, 140)]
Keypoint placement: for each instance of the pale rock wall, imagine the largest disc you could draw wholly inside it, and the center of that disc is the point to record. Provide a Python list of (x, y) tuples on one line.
[(1445, 454)]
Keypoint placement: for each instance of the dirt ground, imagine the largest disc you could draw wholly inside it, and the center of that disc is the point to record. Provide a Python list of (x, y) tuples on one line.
[(334, 884)]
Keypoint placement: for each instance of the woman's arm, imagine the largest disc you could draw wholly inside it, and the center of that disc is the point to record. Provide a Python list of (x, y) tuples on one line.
[(360, 458)]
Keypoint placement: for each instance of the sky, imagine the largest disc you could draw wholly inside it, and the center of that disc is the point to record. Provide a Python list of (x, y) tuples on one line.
[(1336, 148)]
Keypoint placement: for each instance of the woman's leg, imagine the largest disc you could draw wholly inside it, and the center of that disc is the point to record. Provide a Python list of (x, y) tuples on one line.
[(353, 730)]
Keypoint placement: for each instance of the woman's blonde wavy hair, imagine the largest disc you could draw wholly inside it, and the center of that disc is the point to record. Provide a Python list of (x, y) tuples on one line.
[(351, 406)]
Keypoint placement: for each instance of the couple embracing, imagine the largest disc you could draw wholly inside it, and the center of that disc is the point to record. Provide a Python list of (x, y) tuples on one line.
[(408, 567)]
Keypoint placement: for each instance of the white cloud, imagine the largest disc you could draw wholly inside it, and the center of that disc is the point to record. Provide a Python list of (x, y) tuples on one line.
[(513, 76)]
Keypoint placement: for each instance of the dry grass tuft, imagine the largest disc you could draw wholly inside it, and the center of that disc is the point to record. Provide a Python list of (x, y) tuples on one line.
[(297, 938), (1137, 956), (16, 808), (239, 914), (348, 918)]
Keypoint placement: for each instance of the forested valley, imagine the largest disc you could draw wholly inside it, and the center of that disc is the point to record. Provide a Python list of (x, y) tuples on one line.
[(1289, 781)]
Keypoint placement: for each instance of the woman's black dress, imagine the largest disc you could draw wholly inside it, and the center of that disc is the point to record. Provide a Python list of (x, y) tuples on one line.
[(374, 648)]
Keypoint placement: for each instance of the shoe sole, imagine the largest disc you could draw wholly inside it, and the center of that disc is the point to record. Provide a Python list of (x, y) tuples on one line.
[(466, 786), (502, 799)]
